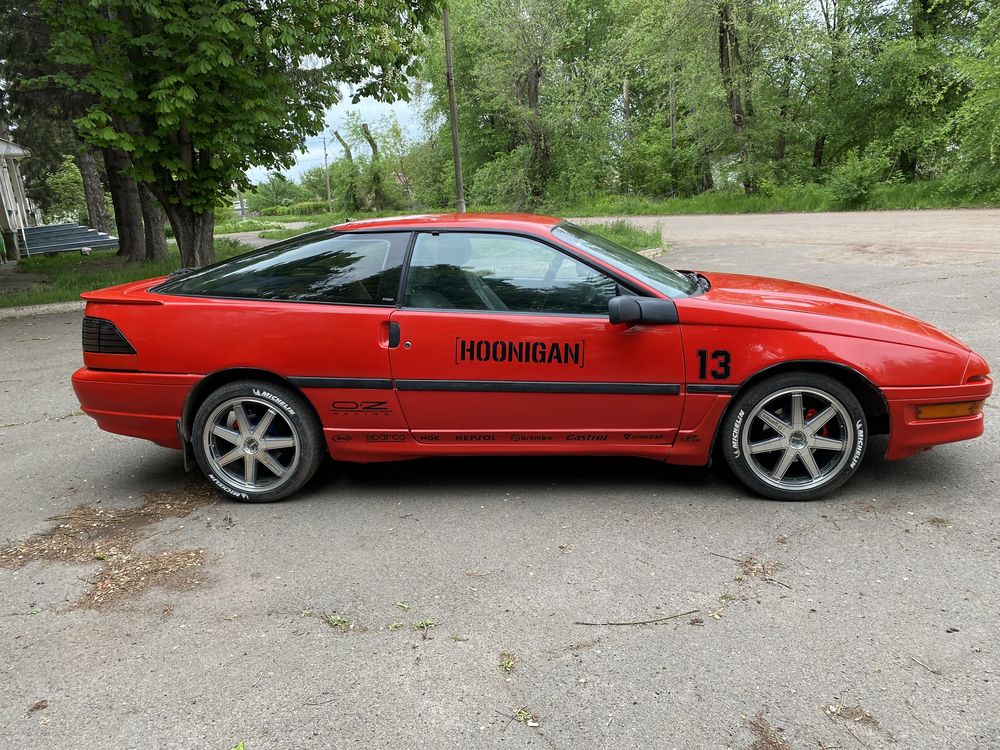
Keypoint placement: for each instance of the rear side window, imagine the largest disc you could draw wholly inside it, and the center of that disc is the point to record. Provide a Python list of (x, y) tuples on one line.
[(326, 266)]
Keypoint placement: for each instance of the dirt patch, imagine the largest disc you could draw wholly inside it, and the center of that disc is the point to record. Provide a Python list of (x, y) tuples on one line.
[(86, 534), (765, 736), (938, 522), (855, 716)]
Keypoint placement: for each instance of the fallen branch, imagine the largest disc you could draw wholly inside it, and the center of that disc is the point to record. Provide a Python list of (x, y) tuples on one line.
[(644, 622), (932, 671)]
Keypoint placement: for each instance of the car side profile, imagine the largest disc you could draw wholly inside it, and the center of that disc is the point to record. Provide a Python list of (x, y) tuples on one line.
[(512, 334)]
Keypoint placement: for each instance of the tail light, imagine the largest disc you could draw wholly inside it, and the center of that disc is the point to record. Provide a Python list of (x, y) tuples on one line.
[(103, 337)]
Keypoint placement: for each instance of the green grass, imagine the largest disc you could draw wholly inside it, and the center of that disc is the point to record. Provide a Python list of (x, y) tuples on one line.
[(627, 235), (69, 274)]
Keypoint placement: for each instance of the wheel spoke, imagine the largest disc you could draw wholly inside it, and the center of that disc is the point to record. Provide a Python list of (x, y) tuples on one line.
[(815, 424), (798, 413), (271, 465), (786, 461), (774, 422), (250, 469), (230, 436), (828, 444), (272, 444), (771, 444), (241, 420), (264, 423), (809, 461), (228, 458)]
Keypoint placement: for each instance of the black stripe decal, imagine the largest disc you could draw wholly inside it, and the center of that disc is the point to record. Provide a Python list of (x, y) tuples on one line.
[(521, 386), (709, 388), (370, 383)]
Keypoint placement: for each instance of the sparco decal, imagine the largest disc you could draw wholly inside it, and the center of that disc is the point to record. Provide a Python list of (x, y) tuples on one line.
[(532, 352), (385, 437)]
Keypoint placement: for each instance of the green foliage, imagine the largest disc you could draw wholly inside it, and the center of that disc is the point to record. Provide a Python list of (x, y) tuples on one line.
[(66, 201), (277, 190), (853, 178), (197, 93), (503, 182)]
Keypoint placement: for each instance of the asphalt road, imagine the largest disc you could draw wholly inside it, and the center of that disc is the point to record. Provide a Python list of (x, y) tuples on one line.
[(864, 621)]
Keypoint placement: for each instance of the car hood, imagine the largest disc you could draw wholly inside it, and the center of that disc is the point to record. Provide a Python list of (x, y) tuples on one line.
[(877, 320)]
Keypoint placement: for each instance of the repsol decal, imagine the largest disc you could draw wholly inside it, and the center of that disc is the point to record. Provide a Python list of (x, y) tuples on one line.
[(530, 352), (271, 397), (475, 438), (360, 407), (859, 448)]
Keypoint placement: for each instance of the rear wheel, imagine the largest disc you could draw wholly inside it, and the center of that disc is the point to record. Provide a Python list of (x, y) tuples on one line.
[(795, 437), (257, 441)]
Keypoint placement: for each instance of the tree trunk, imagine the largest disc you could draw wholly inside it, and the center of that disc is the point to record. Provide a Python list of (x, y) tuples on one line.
[(93, 191), (155, 220), (128, 211), (194, 233), (818, 147), (627, 110), (781, 143)]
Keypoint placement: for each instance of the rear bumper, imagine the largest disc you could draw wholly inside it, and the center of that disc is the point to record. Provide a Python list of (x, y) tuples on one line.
[(137, 404), (909, 435)]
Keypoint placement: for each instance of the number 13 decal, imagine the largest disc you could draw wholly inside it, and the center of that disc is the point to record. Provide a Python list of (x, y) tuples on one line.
[(720, 359)]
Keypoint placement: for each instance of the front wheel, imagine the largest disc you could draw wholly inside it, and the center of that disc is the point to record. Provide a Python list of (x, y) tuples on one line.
[(257, 441), (795, 437)]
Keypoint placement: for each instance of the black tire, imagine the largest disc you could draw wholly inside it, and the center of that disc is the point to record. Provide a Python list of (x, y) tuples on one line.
[(784, 457), (233, 428)]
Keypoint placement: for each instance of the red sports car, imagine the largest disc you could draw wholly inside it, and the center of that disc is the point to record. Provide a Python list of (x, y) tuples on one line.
[(503, 334)]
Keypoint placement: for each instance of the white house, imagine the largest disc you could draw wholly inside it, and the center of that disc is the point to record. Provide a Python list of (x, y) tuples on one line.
[(15, 214)]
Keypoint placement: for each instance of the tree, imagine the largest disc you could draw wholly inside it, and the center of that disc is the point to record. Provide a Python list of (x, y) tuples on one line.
[(197, 93), (65, 187)]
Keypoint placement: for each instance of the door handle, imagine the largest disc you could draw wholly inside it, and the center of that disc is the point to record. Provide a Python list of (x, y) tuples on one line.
[(394, 334)]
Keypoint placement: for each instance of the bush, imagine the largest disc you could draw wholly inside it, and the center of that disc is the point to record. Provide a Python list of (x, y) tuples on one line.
[(853, 179), (503, 182)]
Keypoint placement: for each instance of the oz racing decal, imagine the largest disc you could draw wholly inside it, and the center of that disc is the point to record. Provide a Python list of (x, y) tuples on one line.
[(530, 352)]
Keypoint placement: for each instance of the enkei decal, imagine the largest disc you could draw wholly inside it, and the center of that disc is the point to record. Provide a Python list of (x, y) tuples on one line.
[(226, 488), (531, 352), (360, 407), (385, 437), (271, 397), (528, 438), (736, 433), (643, 435), (860, 446), (587, 437)]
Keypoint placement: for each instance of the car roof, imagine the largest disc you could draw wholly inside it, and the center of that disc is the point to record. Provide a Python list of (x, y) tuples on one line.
[(516, 222)]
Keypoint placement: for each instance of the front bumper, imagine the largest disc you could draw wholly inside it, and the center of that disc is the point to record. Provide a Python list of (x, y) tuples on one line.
[(909, 435), (142, 405)]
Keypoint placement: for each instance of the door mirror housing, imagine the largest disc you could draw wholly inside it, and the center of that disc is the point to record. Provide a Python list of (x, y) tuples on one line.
[(645, 310)]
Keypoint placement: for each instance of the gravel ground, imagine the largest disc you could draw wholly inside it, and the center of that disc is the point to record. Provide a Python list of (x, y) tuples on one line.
[(864, 621)]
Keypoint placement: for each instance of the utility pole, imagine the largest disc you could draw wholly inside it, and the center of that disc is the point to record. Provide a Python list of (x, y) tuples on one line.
[(453, 116), (326, 173)]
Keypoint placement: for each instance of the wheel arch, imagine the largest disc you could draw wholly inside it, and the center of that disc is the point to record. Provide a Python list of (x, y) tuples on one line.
[(868, 394), (219, 378)]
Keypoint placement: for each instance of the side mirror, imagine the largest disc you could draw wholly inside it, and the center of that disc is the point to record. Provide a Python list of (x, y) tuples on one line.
[(648, 310)]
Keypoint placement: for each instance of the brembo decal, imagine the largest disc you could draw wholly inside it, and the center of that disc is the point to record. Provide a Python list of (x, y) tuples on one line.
[(531, 352)]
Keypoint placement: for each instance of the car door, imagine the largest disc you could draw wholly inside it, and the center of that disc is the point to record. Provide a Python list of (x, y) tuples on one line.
[(506, 339)]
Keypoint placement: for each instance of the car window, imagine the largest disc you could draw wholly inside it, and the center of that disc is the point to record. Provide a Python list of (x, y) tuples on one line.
[(322, 266), (484, 271)]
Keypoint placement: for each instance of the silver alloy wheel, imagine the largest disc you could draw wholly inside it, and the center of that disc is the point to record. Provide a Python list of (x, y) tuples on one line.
[(251, 444), (797, 438)]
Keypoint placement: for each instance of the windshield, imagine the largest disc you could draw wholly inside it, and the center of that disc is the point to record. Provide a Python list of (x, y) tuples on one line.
[(662, 279)]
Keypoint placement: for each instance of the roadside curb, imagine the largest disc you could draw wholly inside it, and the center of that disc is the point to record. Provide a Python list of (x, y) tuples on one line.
[(7, 313)]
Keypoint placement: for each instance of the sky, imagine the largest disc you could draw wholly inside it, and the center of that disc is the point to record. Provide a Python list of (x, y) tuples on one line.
[(407, 115)]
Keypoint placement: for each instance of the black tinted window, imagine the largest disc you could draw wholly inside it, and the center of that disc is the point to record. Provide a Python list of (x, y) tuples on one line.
[(482, 271), (318, 267)]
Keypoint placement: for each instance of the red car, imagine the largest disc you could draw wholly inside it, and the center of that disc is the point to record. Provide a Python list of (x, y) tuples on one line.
[(506, 334)]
